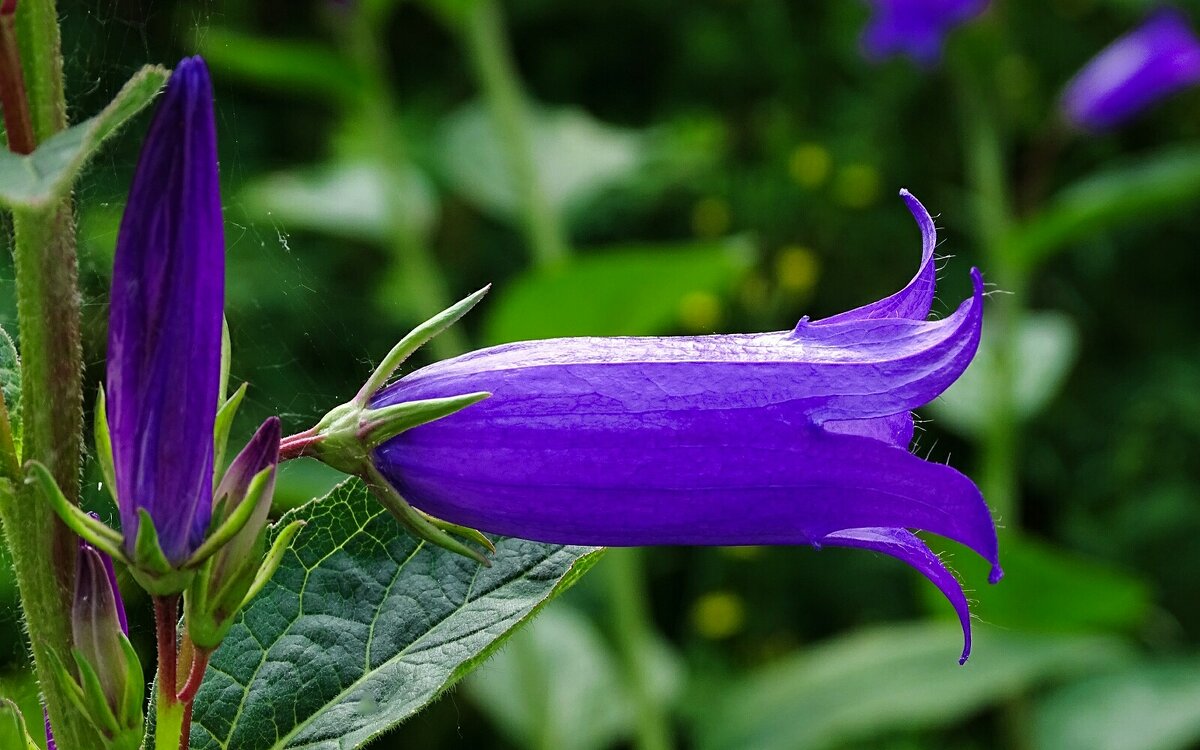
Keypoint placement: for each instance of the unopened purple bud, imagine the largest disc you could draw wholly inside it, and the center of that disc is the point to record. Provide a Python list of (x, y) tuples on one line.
[(791, 437), (98, 620), (164, 345), (261, 453), (1146, 65), (915, 28)]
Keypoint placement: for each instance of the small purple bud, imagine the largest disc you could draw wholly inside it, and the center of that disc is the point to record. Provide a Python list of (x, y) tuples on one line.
[(915, 28), (262, 452), (164, 346), (221, 586), (98, 620), (1155, 60)]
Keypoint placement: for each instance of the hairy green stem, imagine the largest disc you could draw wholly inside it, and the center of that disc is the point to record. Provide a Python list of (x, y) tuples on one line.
[(423, 281), (634, 634), (484, 34), (43, 549)]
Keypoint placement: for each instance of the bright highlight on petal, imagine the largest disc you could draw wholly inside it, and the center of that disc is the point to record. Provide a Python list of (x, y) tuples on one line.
[(792, 437)]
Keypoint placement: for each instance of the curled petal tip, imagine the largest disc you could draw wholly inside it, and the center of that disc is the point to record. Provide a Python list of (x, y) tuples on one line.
[(996, 575)]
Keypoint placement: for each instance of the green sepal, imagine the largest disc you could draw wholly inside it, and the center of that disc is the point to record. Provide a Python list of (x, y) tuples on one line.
[(132, 716), (466, 532), (118, 732), (15, 733), (150, 567), (226, 360), (94, 700), (221, 427), (234, 522), (211, 613), (93, 531), (417, 523), (413, 341), (272, 560), (387, 422), (104, 450), (67, 680)]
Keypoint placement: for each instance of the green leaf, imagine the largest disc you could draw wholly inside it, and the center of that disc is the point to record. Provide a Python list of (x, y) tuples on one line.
[(1143, 190), (900, 677), (1149, 707), (1047, 345), (631, 290), (300, 68), (362, 626), (10, 388), (344, 199), (12, 727), (1046, 589), (532, 689), (576, 158), (39, 179)]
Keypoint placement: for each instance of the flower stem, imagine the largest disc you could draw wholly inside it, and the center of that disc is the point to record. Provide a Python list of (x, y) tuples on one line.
[(985, 164), (187, 693), (634, 633), (293, 446), (168, 710), (485, 38), (43, 549), (17, 122)]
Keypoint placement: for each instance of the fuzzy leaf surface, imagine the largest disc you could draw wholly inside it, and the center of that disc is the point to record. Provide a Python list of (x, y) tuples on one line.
[(362, 626), (36, 180)]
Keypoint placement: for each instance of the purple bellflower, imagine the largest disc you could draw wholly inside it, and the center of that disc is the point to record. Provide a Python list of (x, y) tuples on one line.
[(1146, 65), (915, 28), (164, 342), (792, 437)]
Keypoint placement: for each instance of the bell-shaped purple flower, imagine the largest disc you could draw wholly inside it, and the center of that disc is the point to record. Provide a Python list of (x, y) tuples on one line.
[(164, 345), (793, 437), (915, 28), (1150, 63)]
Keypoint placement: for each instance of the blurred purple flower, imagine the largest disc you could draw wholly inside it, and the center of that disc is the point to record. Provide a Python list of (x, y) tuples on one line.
[(164, 346), (915, 28), (793, 437), (1155, 60)]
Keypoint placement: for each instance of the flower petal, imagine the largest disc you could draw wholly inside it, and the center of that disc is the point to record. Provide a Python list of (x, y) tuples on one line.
[(916, 298), (715, 477), (164, 348), (839, 371), (907, 547), (914, 302)]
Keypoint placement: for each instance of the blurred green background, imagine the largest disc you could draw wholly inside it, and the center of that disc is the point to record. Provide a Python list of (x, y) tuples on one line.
[(715, 166)]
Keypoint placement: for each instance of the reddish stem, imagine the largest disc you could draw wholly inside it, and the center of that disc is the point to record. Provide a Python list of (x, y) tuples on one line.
[(166, 615), (185, 737), (17, 121), (294, 446), (195, 676)]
